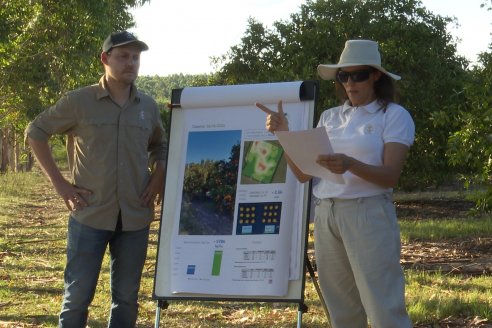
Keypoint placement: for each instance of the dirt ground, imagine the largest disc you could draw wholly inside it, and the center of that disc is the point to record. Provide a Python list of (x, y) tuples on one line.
[(466, 255), (472, 256)]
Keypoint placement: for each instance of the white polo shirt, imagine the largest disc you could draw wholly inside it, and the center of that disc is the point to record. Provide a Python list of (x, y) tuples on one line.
[(361, 132)]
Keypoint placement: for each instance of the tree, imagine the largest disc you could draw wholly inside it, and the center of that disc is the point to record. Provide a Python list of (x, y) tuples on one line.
[(48, 47), (160, 88), (470, 148), (414, 43)]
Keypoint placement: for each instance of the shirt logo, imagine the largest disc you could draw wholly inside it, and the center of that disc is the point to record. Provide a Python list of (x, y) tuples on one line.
[(142, 115), (368, 129)]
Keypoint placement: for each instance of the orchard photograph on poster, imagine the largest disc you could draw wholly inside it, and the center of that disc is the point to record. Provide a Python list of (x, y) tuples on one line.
[(209, 186)]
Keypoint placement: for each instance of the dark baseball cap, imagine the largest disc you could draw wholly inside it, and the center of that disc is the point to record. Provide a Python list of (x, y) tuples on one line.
[(117, 39)]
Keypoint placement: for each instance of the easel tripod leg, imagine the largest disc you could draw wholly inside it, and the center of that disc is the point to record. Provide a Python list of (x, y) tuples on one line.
[(157, 316), (316, 286), (301, 309), (161, 304)]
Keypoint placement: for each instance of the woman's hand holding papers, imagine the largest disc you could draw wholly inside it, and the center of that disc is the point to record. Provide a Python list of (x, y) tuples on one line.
[(276, 121), (336, 163)]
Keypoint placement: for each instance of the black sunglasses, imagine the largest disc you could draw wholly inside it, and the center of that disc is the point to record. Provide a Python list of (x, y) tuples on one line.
[(356, 76)]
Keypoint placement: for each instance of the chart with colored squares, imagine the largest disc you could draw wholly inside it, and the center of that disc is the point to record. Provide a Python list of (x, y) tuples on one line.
[(258, 218)]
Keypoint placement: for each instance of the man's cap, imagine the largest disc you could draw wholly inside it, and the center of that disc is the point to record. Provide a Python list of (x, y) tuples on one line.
[(118, 39)]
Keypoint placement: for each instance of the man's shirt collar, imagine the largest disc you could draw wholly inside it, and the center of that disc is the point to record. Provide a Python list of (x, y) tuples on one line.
[(102, 90)]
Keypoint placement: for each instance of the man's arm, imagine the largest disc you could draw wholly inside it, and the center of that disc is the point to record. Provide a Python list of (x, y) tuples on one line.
[(72, 196), (155, 188)]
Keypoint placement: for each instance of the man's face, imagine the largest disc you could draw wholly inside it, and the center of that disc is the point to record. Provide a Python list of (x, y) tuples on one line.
[(122, 63)]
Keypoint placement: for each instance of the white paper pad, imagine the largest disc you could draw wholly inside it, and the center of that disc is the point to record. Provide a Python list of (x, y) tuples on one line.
[(304, 147)]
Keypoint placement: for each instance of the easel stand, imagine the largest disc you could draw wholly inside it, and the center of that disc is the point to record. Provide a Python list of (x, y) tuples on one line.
[(302, 308), (203, 112), (161, 304)]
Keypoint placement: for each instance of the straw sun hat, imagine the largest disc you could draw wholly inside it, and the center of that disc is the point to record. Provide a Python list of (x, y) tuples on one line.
[(356, 53)]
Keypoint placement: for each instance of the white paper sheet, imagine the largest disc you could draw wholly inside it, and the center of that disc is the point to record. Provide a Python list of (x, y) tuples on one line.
[(304, 147)]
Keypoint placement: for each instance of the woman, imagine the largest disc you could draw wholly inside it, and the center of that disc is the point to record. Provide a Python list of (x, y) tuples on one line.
[(357, 238)]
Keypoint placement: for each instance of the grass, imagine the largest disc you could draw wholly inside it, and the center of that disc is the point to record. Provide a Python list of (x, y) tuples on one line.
[(32, 253), (445, 229), (434, 296)]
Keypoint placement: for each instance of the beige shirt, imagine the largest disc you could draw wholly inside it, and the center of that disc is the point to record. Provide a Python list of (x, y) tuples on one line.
[(114, 148)]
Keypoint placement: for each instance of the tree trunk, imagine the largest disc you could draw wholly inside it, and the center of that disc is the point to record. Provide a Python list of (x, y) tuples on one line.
[(11, 149), (4, 160), (29, 160), (16, 150)]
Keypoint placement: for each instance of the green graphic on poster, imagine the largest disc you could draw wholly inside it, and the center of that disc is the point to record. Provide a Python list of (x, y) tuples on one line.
[(261, 160), (217, 263)]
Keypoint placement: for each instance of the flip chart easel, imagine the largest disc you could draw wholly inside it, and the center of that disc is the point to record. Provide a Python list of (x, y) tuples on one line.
[(264, 211)]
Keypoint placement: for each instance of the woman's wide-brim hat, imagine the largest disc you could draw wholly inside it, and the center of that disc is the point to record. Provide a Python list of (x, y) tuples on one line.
[(356, 53)]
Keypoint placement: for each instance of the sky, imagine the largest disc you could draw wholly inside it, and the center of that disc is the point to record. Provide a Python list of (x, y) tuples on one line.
[(199, 145), (183, 35)]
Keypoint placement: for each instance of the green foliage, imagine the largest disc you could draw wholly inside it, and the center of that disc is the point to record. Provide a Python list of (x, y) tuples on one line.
[(222, 181), (50, 47), (414, 43), (470, 148), (196, 179), (212, 184), (483, 200), (214, 180), (47, 48), (160, 87)]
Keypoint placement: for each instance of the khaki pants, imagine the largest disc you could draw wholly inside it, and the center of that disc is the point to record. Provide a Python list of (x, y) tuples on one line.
[(357, 245)]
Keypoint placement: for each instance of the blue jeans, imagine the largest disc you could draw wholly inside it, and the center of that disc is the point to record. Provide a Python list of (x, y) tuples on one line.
[(85, 251)]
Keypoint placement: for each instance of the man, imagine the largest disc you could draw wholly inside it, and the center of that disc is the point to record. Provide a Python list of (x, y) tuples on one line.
[(118, 135)]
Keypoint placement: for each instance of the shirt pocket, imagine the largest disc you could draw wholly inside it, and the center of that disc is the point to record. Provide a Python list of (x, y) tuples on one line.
[(139, 133), (96, 138)]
